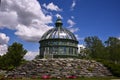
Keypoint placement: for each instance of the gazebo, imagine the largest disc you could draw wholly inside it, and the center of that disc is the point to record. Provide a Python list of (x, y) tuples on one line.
[(58, 42)]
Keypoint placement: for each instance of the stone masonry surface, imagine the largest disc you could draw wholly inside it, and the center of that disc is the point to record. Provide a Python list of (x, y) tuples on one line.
[(60, 68)]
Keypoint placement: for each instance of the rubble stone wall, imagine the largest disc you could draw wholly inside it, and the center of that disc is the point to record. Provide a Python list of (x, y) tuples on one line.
[(61, 68)]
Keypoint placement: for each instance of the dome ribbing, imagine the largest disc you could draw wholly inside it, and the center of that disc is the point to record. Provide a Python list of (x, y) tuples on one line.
[(58, 42), (58, 32)]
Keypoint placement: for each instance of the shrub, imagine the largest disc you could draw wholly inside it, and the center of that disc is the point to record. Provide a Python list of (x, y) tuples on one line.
[(113, 67)]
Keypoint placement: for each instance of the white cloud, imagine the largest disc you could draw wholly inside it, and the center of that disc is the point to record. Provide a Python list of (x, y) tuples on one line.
[(52, 7), (73, 5), (3, 43), (26, 17), (58, 15), (78, 37), (3, 39), (31, 55), (3, 49), (8, 19), (74, 29), (31, 34), (71, 23)]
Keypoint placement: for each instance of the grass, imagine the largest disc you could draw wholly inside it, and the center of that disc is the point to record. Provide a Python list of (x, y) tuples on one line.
[(81, 78)]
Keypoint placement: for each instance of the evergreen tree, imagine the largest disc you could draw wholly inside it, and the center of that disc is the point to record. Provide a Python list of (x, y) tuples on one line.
[(13, 57)]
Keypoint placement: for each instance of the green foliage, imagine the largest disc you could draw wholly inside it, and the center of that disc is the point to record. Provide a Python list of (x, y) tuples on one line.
[(112, 41), (113, 67), (79, 67), (94, 47), (108, 54), (113, 48), (13, 57), (97, 50)]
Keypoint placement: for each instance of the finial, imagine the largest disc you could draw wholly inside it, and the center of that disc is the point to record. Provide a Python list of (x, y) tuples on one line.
[(58, 22), (58, 17)]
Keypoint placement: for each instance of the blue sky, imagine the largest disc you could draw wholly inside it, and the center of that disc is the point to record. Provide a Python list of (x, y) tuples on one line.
[(21, 20)]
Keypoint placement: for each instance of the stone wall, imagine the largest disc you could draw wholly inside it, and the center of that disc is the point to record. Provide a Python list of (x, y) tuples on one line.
[(60, 68)]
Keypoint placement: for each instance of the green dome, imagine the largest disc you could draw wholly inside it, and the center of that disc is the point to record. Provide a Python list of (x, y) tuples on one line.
[(58, 32), (58, 42)]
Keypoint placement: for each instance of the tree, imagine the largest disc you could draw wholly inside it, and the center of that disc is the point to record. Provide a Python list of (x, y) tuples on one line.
[(112, 41), (94, 47), (113, 48), (14, 56)]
